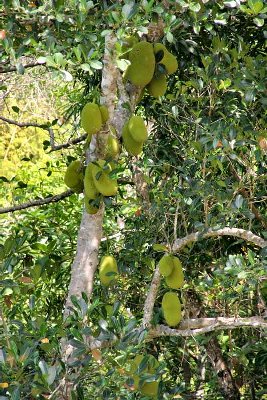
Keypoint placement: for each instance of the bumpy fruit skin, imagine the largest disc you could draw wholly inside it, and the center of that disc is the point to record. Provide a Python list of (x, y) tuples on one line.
[(166, 265), (108, 270), (158, 86), (134, 148), (137, 129), (103, 183), (91, 118), (147, 388), (104, 113), (127, 43), (168, 60), (142, 67), (171, 308), (150, 389), (89, 187), (90, 209), (113, 147), (176, 279), (74, 177)]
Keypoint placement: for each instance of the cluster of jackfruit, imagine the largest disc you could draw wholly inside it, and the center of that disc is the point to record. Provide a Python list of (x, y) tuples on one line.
[(93, 117), (149, 389), (108, 270), (97, 182), (74, 176), (149, 66), (171, 268), (134, 134)]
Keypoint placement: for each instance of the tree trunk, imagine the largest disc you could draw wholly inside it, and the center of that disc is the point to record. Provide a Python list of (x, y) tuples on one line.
[(227, 383)]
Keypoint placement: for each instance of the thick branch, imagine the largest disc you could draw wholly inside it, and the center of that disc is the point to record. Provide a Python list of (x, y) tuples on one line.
[(180, 244), (198, 326), (248, 236), (38, 202), (189, 327)]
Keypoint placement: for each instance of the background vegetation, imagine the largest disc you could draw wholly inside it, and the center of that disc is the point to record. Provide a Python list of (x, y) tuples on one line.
[(204, 166)]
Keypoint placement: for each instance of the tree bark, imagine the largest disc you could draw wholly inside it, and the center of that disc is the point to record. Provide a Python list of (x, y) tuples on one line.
[(226, 381)]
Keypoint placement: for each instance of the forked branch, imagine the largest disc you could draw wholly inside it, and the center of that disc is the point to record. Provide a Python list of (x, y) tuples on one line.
[(179, 244)]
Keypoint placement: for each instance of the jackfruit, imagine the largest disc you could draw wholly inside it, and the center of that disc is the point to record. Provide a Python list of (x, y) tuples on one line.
[(171, 308), (137, 129), (89, 187), (176, 279), (113, 147), (74, 177), (166, 265), (127, 43), (150, 389), (90, 209), (168, 60), (103, 182), (158, 86), (147, 388), (104, 113), (108, 270), (141, 70), (134, 148), (91, 119)]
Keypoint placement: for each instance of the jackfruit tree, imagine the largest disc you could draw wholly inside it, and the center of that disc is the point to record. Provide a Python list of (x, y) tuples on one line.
[(161, 175)]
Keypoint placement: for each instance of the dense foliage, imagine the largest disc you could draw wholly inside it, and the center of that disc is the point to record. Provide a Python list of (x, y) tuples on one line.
[(204, 165)]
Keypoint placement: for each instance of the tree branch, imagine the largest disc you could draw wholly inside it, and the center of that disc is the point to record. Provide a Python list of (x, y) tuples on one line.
[(4, 70), (198, 326), (188, 327), (50, 131), (248, 236), (38, 202), (179, 244)]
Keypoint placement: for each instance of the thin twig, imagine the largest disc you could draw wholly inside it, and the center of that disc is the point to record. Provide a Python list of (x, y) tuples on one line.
[(50, 131), (38, 202)]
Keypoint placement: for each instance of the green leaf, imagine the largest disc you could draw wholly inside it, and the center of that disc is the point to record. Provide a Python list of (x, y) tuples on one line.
[(86, 67), (128, 10), (196, 7), (230, 4), (169, 37), (159, 247), (96, 64), (258, 21), (16, 109), (255, 5)]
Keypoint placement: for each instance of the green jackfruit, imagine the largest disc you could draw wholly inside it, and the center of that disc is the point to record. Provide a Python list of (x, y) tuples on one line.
[(113, 147), (89, 186), (103, 182), (91, 119), (137, 129), (168, 60), (142, 67), (166, 265), (104, 113), (108, 270), (171, 308), (150, 389), (158, 86), (90, 209), (176, 279), (74, 177), (127, 43), (147, 388), (134, 148)]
